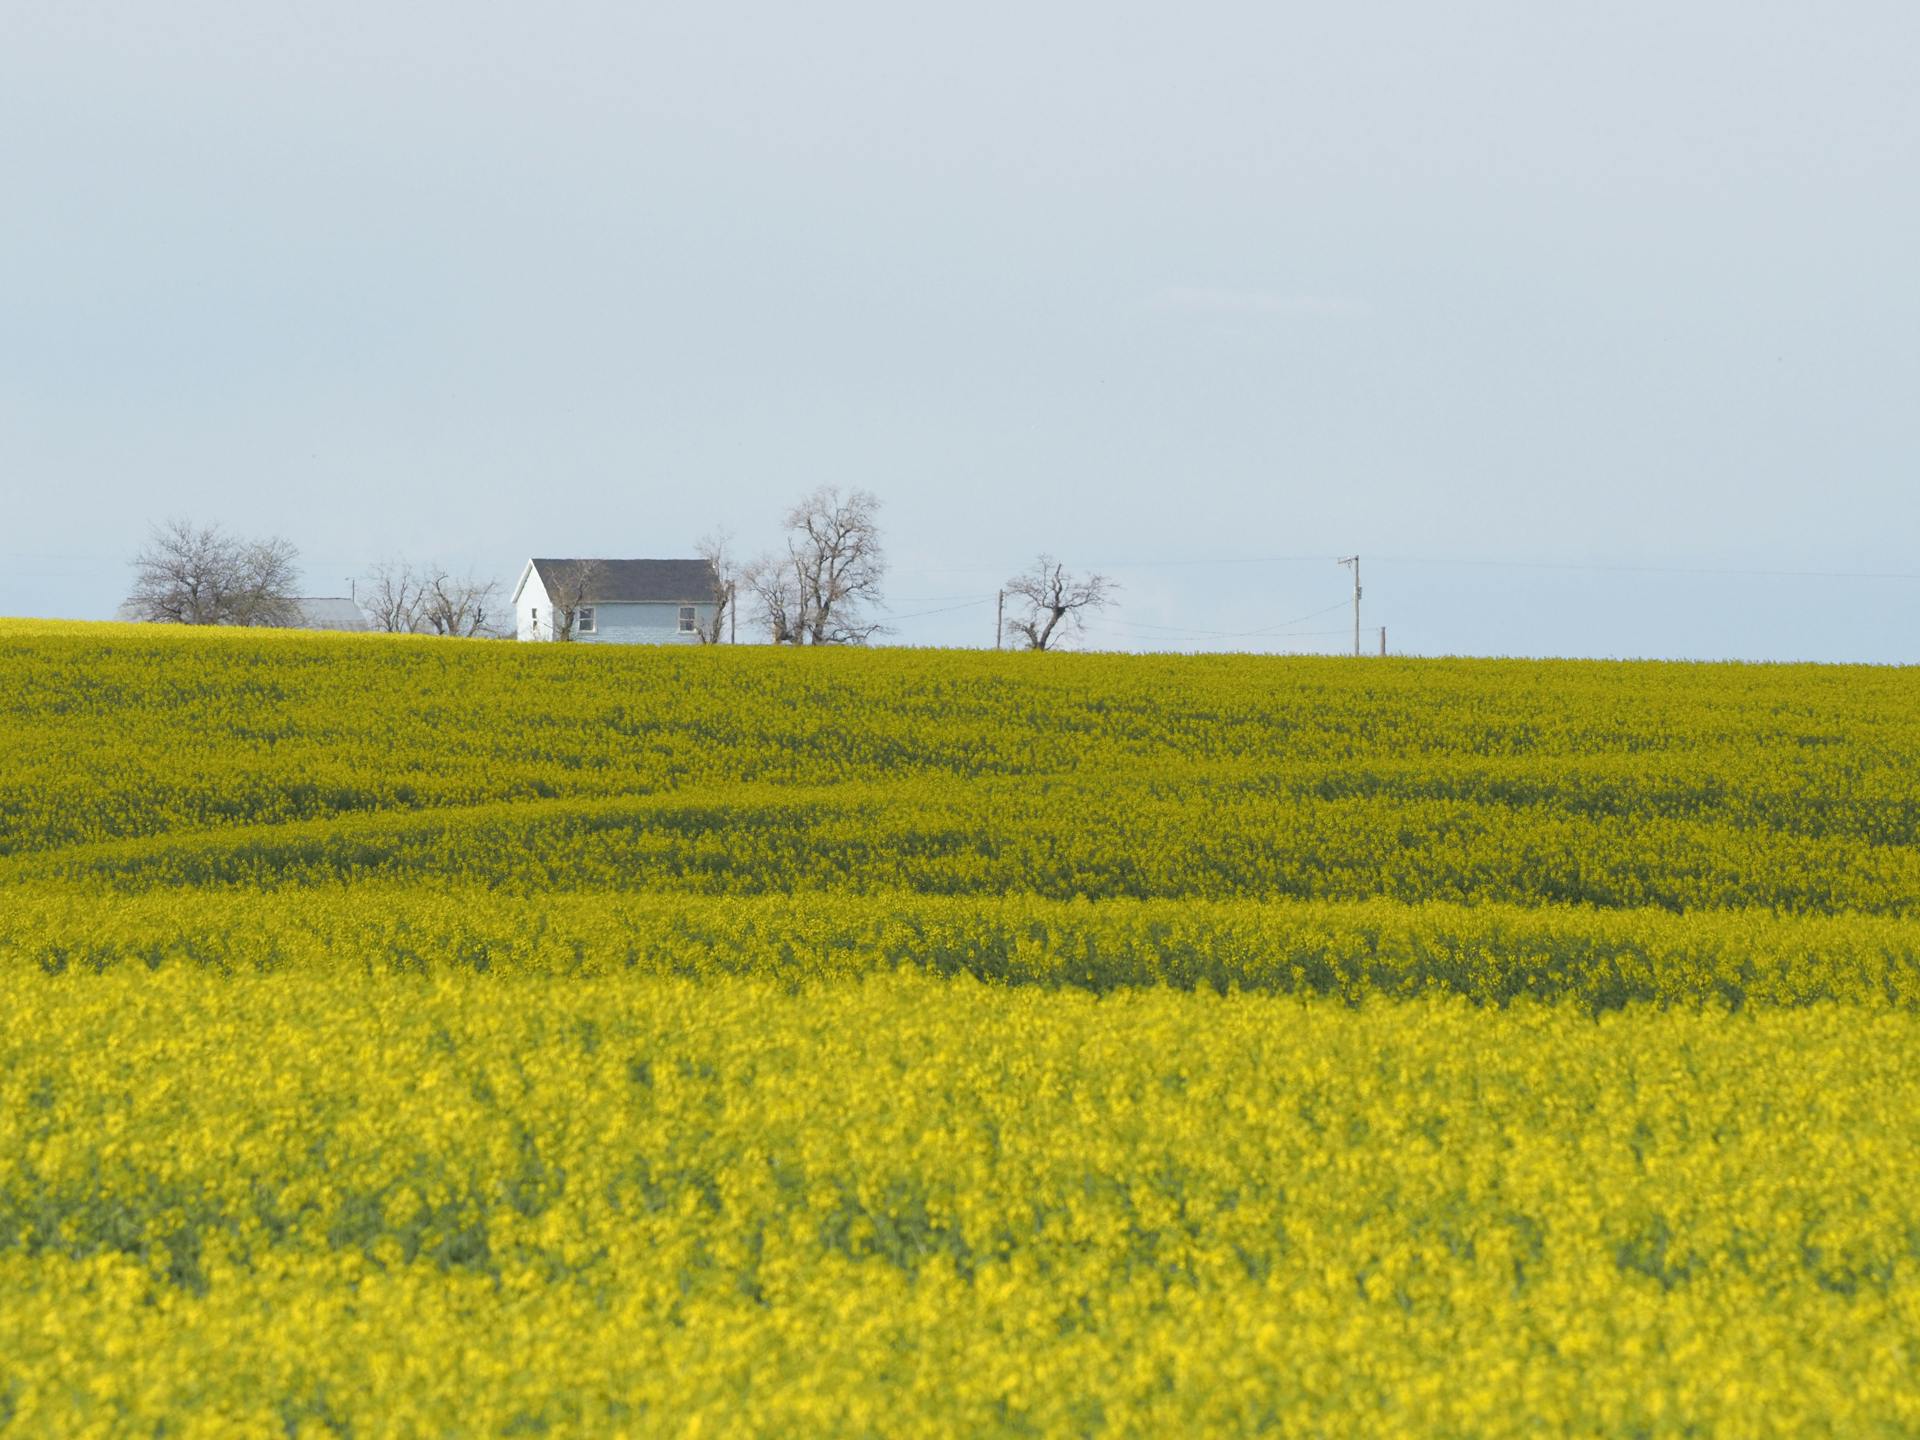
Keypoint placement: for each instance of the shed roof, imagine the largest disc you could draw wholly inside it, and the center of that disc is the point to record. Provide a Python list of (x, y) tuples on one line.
[(328, 612), (629, 582)]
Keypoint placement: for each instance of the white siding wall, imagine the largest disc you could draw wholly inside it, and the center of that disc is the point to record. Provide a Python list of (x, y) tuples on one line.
[(533, 613), (642, 625), (613, 624)]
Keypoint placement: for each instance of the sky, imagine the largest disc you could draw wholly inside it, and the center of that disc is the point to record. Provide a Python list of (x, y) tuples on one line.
[(1593, 328)]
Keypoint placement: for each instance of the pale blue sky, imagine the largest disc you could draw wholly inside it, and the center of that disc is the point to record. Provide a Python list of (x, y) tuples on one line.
[(1623, 284)]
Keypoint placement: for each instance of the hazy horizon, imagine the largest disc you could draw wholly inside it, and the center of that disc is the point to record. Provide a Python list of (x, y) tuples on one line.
[(1591, 329)]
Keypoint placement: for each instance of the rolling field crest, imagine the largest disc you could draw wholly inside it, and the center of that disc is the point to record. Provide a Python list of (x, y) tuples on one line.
[(908, 1042)]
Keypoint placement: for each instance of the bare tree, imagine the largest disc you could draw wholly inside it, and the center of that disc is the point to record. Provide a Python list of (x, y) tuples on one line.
[(189, 574), (716, 549), (1056, 601), (571, 588), (833, 565), (181, 575), (269, 574), (392, 595), (461, 606), (776, 594)]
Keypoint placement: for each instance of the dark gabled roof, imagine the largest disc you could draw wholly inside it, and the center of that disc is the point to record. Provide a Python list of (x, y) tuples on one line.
[(630, 582)]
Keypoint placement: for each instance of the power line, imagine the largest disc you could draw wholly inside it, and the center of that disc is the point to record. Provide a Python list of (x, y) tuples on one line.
[(1469, 562), (1620, 568), (1234, 634), (943, 610), (1279, 630), (1172, 634), (1214, 560), (1298, 620), (1137, 564)]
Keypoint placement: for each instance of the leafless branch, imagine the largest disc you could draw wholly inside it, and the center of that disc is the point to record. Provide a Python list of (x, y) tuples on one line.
[(391, 595), (460, 606), (571, 589), (833, 565), (717, 550), (1055, 601), (189, 574)]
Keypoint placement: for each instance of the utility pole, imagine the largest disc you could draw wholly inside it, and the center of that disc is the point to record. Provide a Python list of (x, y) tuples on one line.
[(733, 614), (999, 619), (1383, 641), (1354, 562)]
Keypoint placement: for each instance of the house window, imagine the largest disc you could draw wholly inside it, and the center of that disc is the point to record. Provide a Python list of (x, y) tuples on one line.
[(686, 619), (585, 621)]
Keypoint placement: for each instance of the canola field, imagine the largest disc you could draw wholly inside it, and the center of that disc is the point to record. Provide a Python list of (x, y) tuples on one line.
[(421, 1037)]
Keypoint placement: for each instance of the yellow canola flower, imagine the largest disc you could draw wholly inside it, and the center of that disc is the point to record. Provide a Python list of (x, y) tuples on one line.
[(916, 1206), (428, 1037), (149, 758)]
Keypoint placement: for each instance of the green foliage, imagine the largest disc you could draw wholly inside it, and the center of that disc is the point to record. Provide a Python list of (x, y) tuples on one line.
[(1605, 833), (1620, 784), (1694, 770), (1490, 954)]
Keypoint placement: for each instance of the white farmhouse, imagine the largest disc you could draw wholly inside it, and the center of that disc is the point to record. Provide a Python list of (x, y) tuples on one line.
[(616, 602)]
